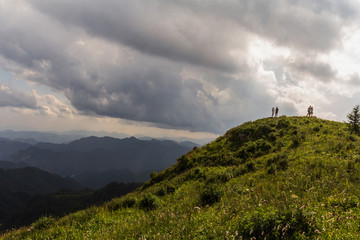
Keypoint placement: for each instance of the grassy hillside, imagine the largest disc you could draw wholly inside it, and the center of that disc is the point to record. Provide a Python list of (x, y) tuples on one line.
[(283, 178)]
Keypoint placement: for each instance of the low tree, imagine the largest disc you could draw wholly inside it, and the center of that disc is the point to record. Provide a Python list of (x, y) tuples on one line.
[(354, 119)]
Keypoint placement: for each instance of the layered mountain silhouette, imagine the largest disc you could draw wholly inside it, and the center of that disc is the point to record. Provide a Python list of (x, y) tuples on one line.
[(92, 156)]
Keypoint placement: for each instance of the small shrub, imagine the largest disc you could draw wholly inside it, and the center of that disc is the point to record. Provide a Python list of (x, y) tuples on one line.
[(297, 139), (43, 223), (283, 164), (272, 136), (129, 202), (316, 129), (250, 167), (195, 173), (184, 163), (277, 163), (161, 191), (271, 169), (263, 130), (275, 224), (165, 189), (153, 174), (149, 202), (283, 123), (211, 194), (350, 166), (226, 176), (239, 171), (170, 189), (345, 203)]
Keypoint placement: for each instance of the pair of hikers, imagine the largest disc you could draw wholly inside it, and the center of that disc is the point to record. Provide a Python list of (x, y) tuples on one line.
[(276, 110), (310, 111)]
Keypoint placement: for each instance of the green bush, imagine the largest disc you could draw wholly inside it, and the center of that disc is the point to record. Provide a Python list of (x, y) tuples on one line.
[(129, 202), (283, 123), (316, 129), (345, 203), (250, 167), (166, 188), (149, 202), (211, 194), (194, 174), (153, 174), (277, 163), (43, 223), (275, 224), (226, 176)]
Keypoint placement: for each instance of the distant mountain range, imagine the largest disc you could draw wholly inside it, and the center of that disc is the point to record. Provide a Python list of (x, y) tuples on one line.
[(101, 154), (95, 161), (33, 137)]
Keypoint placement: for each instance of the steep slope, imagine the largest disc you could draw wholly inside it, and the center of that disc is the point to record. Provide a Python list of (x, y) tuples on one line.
[(274, 178)]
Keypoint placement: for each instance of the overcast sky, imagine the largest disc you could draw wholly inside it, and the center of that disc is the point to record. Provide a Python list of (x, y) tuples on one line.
[(174, 68)]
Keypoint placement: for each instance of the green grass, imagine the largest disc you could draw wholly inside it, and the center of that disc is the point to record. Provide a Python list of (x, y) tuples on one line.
[(274, 178)]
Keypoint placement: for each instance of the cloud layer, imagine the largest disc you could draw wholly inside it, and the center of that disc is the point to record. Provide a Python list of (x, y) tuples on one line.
[(180, 64)]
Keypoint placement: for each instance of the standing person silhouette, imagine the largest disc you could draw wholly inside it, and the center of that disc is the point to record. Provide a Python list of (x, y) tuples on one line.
[(272, 112), (276, 111)]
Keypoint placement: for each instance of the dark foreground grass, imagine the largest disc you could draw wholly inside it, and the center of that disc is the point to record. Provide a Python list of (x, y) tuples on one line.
[(284, 178)]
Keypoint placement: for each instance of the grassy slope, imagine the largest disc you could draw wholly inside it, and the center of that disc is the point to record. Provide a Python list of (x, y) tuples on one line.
[(290, 177)]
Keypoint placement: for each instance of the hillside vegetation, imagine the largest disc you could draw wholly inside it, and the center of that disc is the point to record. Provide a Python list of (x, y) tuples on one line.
[(274, 178)]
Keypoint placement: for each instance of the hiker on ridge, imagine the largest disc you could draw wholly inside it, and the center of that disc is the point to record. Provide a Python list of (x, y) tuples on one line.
[(276, 111), (272, 110)]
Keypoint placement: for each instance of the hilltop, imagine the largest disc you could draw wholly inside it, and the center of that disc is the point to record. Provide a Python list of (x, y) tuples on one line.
[(274, 178)]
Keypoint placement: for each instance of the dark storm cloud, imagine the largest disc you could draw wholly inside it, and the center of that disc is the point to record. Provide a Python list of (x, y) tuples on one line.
[(152, 27), (198, 32), (126, 59), (10, 97), (151, 95)]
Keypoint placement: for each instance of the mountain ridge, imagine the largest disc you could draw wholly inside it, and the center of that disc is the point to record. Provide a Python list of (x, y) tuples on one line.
[(100, 154)]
